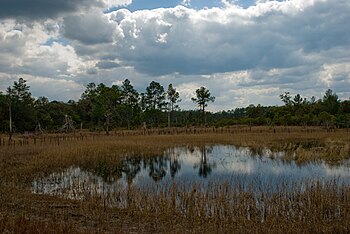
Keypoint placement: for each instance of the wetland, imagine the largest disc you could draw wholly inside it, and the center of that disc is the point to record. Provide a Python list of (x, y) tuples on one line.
[(258, 181)]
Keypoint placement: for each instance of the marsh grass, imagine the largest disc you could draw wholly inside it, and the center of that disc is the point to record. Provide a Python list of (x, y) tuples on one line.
[(176, 207)]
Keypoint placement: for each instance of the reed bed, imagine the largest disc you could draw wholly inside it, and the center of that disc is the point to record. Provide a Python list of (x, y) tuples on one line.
[(175, 207)]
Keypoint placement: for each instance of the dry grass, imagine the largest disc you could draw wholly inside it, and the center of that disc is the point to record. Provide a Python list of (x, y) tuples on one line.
[(174, 208)]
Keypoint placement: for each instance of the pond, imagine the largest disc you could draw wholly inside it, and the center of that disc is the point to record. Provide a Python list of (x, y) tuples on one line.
[(264, 170)]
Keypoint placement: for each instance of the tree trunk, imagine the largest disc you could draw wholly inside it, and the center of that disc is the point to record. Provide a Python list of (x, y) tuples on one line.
[(107, 125), (10, 113), (203, 115), (169, 124)]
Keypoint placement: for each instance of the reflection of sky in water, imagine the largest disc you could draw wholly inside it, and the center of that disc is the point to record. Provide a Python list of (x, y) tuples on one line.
[(216, 163)]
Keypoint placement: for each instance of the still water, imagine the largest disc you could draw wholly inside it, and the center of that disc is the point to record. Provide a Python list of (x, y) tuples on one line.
[(264, 169)]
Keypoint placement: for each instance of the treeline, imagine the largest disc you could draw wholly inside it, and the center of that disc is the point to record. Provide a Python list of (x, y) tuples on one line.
[(329, 112), (102, 108)]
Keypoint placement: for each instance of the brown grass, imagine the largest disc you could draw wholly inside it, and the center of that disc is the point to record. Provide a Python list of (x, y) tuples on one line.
[(174, 208)]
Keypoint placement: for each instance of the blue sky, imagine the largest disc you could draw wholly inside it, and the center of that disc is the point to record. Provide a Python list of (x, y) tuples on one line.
[(195, 4), (243, 55), (154, 4)]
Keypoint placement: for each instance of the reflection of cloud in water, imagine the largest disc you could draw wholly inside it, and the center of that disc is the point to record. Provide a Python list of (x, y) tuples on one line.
[(239, 166), (75, 183), (336, 171), (197, 164)]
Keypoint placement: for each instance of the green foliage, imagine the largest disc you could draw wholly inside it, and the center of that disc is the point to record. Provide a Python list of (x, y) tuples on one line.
[(173, 97), (203, 96), (331, 102), (154, 98), (130, 109), (104, 108), (21, 106), (153, 104)]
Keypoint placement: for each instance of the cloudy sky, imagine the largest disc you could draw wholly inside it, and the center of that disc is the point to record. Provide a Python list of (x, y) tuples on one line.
[(244, 51)]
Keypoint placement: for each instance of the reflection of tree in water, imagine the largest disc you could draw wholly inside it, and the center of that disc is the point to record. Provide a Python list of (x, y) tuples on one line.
[(113, 171), (157, 167), (131, 167), (205, 168), (108, 172), (256, 151), (175, 167), (175, 164)]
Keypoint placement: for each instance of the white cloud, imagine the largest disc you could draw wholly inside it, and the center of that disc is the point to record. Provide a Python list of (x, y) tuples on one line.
[(62, 87), (242, 55), (186, 3), (223, 40), (115, 3)]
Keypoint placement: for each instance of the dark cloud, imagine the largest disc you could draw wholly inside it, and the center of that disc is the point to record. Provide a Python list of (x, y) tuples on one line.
[(107, 65), (38, 9), (180, 40), (89, 29)]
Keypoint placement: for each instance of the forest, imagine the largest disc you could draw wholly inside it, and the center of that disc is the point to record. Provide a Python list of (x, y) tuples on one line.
[(103, 108)]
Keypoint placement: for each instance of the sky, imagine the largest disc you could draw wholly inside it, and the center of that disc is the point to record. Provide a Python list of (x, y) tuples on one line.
[(244, 51)]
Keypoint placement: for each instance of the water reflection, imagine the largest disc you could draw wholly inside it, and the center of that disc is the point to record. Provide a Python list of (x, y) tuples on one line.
[(204, 166), (196, 164)]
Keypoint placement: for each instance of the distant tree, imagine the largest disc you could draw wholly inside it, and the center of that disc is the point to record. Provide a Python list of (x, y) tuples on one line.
[(153, 102), (130, 101), (107, 103), (203, 96), (345, 107), (312, 100), (173, 98), (20, 90), (255, 111), (331, 102), (55, 116), (41, 101), (130, 96), (297, 100), (21, 107), (86, 104), (43, 118), (326, 119), (286, 98), (154, 98), (100, 104)]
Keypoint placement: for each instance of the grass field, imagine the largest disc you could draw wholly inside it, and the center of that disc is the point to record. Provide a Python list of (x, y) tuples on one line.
[(175, 208)]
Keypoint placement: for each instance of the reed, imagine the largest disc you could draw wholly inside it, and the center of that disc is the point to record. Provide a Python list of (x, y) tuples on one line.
[(177, 207)]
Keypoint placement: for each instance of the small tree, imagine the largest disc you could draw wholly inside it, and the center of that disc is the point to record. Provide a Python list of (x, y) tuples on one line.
[(10, 94), (203, 96), (331, 102), (286, 98), (20, 107), (130, 101), (173, 97)]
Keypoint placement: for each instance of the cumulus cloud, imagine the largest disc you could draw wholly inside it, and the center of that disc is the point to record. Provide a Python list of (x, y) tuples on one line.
[(269, 35), (70, 89), (243, 54), (107, 65), (89, 28)]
